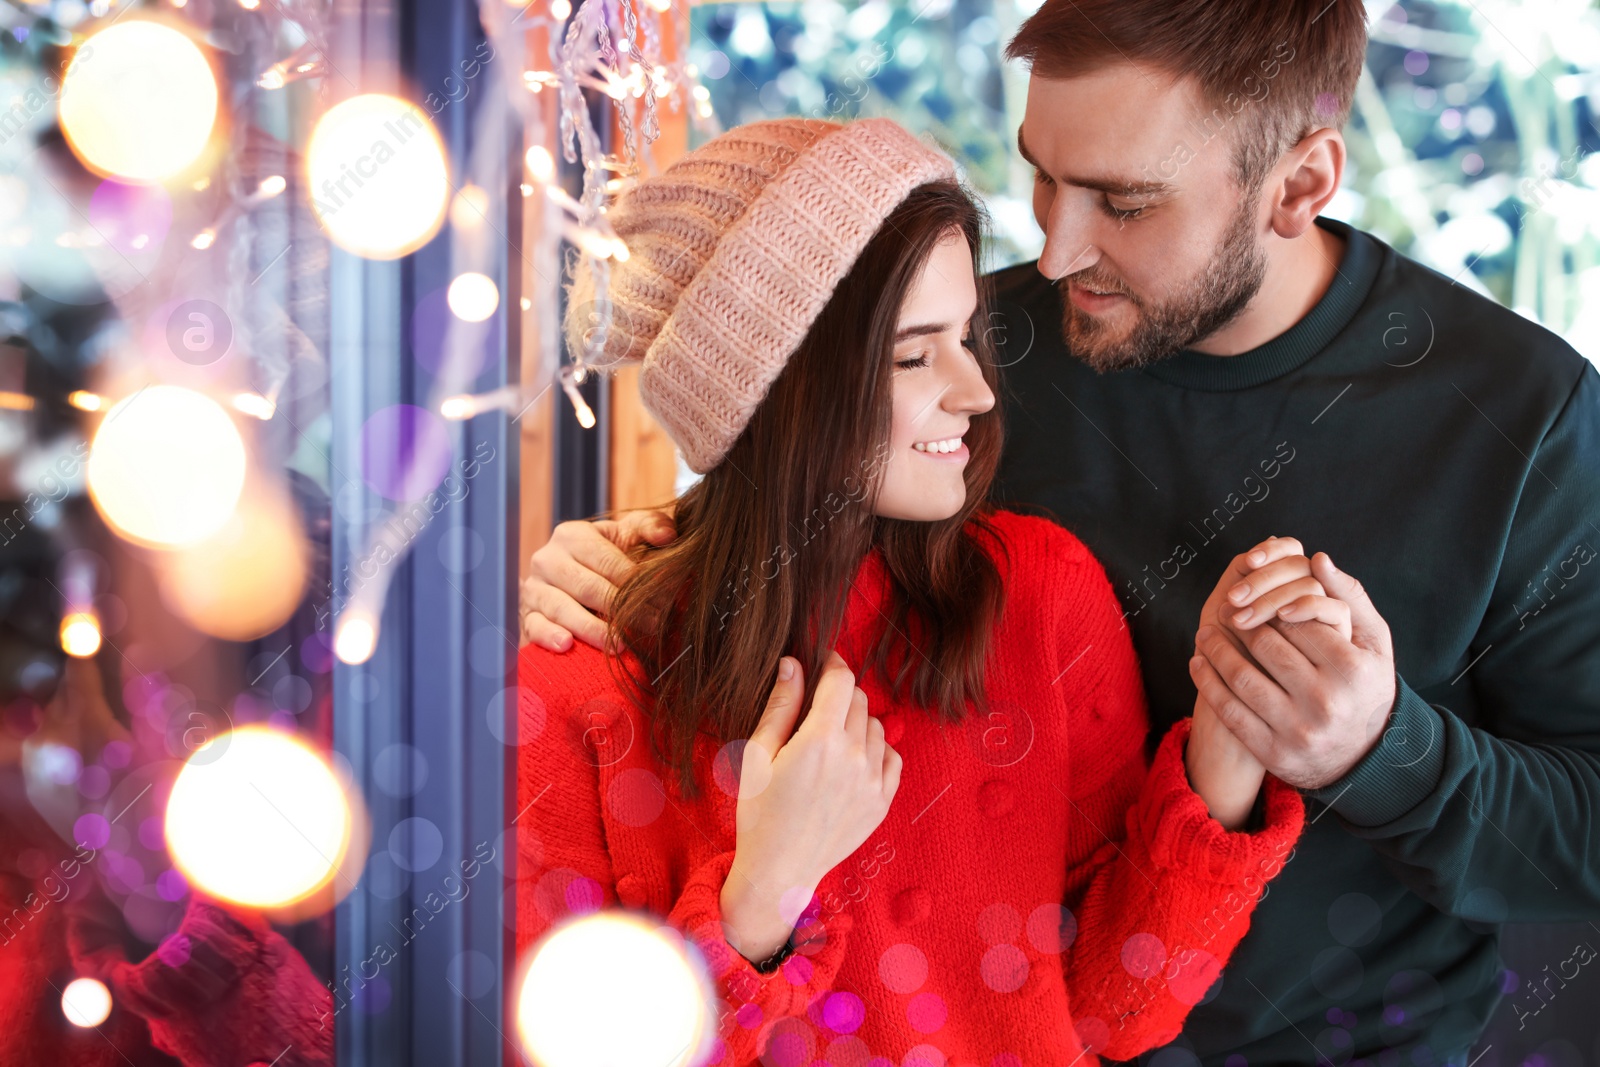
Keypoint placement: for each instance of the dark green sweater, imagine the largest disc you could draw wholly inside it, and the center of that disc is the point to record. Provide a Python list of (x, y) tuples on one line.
[(1446, 452)]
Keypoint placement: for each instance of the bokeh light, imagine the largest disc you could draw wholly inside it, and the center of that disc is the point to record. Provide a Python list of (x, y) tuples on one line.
[(378, 176), (355, 637), (245, 580), (139, 101), (612, 965), (86, 1002), (80, 634), (259, 819), (166, 466), (473, 297), (405, 451)]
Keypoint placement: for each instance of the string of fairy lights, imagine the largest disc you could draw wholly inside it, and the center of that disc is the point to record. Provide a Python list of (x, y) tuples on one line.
[(257, 817)]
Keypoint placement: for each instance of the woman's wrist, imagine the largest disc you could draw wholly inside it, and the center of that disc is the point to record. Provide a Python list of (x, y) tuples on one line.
[(1221, 770), (751, 920)]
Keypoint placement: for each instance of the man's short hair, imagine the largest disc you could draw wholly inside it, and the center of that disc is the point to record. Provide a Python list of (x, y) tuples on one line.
[(1276, 70)]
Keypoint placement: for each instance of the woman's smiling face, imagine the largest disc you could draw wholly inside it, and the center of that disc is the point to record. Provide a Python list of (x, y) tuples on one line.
[(938, 387)]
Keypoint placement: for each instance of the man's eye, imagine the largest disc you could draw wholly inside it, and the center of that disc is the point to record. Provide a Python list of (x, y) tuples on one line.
[(908, 364), (1123, 214), (1041, 177)]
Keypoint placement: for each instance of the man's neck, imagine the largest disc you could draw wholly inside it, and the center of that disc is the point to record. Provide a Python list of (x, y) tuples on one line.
[(1299, 272)]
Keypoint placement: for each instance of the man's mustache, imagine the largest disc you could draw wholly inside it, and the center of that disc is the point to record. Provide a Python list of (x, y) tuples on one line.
[(1097, 283)]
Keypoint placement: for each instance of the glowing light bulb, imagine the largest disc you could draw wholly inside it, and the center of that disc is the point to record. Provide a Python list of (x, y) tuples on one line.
[(84, 400), (355, 638), (139, 101), (86, 1002), (80, 634), (378, 177), (469, 208), (456, 408), (473, 297), (256, 817), (613, 961), (271, 186), (255, 405), (204, 239), (560, 9), (166, 466), (540, 164)]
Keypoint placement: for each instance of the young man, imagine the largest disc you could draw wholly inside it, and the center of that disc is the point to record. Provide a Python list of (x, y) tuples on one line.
[(1197, 362)]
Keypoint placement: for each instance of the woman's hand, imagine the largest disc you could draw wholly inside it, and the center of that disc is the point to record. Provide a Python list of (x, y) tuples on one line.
[(1221, 769), (808, 798)]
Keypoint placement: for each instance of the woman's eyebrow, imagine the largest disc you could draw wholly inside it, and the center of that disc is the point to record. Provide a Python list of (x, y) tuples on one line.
[(905, 333)]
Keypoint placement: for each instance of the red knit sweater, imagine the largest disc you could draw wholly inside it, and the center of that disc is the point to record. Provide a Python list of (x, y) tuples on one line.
[(1035, 895)]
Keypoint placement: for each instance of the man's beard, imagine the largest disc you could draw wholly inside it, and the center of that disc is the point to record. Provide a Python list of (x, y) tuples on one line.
[(1202, 306)]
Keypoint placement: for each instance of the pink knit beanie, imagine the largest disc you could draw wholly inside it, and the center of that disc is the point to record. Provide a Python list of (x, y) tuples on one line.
[(732, 253)]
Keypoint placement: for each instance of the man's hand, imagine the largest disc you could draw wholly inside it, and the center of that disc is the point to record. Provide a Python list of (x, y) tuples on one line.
[(572, 579), (1311, 690)]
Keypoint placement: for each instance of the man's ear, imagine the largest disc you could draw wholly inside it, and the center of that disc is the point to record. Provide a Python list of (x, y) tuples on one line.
[(1305, 180)]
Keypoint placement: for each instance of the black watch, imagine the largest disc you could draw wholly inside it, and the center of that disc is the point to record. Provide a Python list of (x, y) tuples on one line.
[(774, 961)]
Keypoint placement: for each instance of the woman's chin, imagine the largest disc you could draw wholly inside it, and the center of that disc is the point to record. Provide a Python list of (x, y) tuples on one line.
[(922, 506)]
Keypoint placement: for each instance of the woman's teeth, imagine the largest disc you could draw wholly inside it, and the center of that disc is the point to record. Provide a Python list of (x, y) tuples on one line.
[(949, 444)]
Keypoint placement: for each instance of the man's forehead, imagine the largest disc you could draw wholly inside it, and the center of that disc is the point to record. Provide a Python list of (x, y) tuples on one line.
[(1110, 126)]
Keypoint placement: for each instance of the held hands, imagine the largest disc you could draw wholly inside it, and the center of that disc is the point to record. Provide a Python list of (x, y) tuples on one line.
[(808, 798), (1295, 660)]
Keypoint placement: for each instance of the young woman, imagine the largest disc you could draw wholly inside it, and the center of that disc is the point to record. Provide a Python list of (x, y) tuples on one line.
[(873, 746)]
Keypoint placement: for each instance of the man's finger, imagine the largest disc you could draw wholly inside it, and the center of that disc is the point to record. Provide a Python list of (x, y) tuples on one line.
[(1249, 683), (1251, 729), (564, 611), (1279, 657), (538, 630), (1367, 627), (581, 584), (1323, 645), (654, 525), (602, 556), (1323, 609)]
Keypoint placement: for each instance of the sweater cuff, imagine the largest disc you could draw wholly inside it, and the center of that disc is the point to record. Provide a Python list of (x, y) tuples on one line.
[(1399, 772), (819, 950), (1182, 835)]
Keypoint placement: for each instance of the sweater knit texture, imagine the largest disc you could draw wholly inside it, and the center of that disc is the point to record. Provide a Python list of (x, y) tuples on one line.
[(1037, 894), (733, 251)]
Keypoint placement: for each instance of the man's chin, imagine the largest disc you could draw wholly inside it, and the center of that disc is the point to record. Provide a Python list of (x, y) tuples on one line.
[(1101, 346)]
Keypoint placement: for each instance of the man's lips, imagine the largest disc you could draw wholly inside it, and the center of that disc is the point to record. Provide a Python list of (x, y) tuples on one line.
[(1092, 301)]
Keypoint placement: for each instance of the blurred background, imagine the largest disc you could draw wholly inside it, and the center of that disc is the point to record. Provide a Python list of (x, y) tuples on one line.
[(283, 415)]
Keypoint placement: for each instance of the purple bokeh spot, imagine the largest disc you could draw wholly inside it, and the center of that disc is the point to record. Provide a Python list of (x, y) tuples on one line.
[(91, 831), (479, 340), (131, 218), (171, 885), (584, 896), (844, 1013), (316, 652), (405, 452)]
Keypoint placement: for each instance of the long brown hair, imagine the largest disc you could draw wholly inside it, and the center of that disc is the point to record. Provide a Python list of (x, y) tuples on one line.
[(769, 541)]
